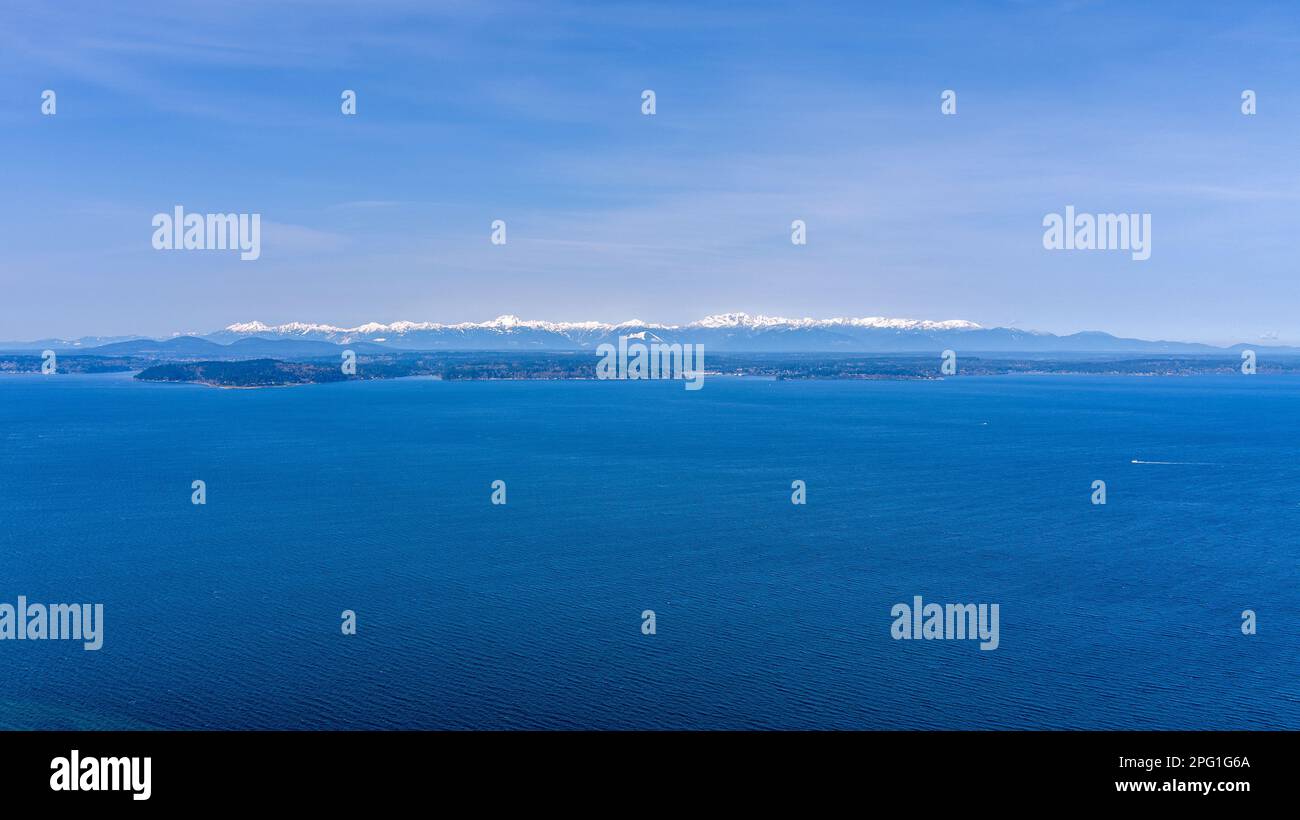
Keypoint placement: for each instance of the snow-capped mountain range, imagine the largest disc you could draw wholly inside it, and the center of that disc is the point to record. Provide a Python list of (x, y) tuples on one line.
[(509, 324), (725, 332), (721, 332)]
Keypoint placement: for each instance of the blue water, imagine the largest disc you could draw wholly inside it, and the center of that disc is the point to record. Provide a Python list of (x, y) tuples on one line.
[(626, 496)]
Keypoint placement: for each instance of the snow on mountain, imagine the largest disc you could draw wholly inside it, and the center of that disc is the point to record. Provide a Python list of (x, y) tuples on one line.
[(760, 321), (507, 323), (723, 332)]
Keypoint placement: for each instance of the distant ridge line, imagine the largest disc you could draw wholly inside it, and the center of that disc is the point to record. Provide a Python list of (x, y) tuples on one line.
[(720, 333)]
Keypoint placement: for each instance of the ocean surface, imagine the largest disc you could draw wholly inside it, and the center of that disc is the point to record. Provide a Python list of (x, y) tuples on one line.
[(628, 496)]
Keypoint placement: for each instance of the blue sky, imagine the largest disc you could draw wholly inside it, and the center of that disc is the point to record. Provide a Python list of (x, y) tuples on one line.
[(530, 112)]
